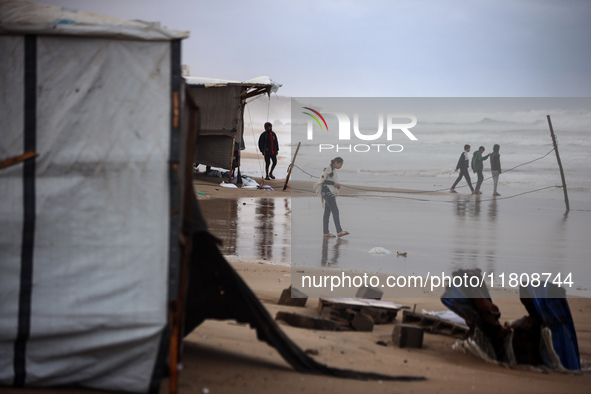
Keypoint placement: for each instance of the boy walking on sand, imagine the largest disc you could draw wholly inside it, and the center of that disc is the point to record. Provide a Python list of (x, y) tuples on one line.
[(463, 165), (478, 166)]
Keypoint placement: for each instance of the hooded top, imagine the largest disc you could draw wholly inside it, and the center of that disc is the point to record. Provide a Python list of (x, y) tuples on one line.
[(477, 160), (268, 144), (495, 159)]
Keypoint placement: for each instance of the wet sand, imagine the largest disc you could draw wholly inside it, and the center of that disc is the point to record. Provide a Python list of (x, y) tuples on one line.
[(439, 231)]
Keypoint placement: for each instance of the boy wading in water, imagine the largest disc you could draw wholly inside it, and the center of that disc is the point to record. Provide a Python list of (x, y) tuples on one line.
[(328, 188)]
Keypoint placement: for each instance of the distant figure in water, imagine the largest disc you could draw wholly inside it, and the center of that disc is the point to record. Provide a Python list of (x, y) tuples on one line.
[(477, 166), (463, 165), (495, 167), (328, 188)]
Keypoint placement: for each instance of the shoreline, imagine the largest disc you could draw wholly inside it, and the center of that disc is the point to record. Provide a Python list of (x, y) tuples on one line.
[(296, 188), (441, 232)]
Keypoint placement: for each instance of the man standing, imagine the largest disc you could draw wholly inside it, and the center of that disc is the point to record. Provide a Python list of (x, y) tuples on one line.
[(463, 165), (478, 166), (269, 146)]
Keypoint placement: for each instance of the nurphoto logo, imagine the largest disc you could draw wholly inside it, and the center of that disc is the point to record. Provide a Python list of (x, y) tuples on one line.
[(392, 124)]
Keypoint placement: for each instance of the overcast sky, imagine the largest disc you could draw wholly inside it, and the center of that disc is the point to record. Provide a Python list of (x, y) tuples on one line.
[(380, 48)]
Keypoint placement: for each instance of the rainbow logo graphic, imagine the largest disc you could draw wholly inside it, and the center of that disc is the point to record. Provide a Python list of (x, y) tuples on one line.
[(315, 118)]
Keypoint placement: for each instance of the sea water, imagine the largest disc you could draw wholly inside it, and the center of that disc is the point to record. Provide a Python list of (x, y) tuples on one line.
[(525, 230), (523, 135)]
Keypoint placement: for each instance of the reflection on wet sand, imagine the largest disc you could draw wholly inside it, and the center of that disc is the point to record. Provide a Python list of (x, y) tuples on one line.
[(265, 213), (498, 236), (251, 227), (334, 257), (476, 239)]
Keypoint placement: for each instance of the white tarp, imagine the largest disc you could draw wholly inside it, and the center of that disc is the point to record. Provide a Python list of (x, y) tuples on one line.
[(23, 17), (99, 290)]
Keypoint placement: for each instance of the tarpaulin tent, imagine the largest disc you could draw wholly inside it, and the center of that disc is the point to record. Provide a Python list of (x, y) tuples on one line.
[(221, 103), (90, 216), (101, 238)]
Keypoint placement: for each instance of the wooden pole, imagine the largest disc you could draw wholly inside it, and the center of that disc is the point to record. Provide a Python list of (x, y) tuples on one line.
[(176, 306), (559, 163), (17, 159), (291, 166)]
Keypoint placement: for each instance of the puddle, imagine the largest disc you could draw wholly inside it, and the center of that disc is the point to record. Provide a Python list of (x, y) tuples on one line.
[(258, 228)]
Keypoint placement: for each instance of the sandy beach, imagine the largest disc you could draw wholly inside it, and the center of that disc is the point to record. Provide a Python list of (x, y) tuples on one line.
[(226, 357)]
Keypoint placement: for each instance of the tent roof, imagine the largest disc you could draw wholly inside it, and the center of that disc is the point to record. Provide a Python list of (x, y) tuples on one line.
[(254, 87), (23, 17), (265, 83)]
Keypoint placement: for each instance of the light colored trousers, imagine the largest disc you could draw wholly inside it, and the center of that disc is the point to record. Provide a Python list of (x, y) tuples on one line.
[(495, 175)]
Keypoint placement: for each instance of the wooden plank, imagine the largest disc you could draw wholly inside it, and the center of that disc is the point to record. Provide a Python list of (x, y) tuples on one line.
[(344, 309), (305, 321), (435, 325)]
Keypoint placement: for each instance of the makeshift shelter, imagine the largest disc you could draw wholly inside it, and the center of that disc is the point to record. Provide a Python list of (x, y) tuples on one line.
[(101, 238), (90, 219), (221, 103)]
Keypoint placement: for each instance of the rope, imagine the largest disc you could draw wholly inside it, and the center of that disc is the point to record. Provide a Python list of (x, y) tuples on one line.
[(427, 191), (254, 135), (304, 171), (254, 138), (434, 191)]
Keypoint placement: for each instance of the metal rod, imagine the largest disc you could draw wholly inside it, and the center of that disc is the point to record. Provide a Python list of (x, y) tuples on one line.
[(559, 163)]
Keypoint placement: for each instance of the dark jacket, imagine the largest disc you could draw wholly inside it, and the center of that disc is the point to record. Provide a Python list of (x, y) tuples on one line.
[(268, 144), (495, 159), (477, 160), (463, 161)]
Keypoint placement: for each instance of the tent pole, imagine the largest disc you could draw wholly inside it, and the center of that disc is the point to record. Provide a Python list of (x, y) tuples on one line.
[(291, 166), (177, 306), (559, 163)]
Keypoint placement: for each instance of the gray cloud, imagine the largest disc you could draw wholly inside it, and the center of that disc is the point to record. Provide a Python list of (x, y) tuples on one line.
[(381, 48)]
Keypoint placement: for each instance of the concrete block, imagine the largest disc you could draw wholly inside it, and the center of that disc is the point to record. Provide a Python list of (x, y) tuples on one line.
[(406, 335), (292, 297), (370, 292)]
